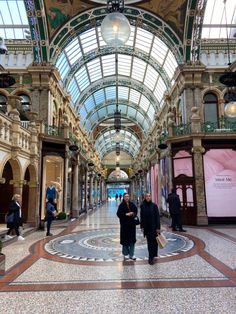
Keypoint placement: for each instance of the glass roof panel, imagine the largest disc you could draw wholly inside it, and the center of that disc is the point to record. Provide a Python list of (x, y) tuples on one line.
[(143, 40), (74, 90), (108, 65), (13, 19), (134, 96), (132, 112), (73, 51), (102, 113), (144, 103), (88, 40), (94, 70), (82, 78), (83, 113), (216, 18), (150, 77), (138, 69), (124, 65), (110, 92), (160, 89), (123, 92), (111, 109), (99, 96)]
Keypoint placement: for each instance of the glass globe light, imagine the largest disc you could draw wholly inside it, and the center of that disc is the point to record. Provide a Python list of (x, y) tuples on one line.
[(115, 29), (230, 109)]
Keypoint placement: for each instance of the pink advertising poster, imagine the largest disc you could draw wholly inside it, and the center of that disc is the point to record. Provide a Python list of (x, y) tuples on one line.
[(154, 183), (164, 178), (220, 182)]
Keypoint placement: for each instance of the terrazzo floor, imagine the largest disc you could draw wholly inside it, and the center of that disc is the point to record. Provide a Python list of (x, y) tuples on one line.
[(80, 270)]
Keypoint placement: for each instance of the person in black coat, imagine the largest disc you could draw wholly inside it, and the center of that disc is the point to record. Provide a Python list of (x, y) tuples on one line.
[(175, 211), (15, 210), (150, 225), (126, 213), (50, 214)]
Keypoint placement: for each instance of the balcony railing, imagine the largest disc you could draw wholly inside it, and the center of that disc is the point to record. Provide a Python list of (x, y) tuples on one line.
[(182, 129), (53, 130), (224, 125)]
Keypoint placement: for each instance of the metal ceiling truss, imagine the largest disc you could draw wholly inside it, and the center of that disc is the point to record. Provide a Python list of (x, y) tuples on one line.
[(94, 17), (122, 81), (120, 50)]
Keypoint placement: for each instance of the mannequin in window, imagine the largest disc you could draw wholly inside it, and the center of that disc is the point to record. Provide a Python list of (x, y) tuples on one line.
[(51, 192)]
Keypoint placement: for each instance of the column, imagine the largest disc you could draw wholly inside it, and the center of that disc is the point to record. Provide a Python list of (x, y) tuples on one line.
[(96, 190), (197, 151), (90, 190), (75, 190)]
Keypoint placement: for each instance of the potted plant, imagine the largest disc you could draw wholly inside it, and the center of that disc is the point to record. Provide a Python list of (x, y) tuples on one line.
[(2, 260)]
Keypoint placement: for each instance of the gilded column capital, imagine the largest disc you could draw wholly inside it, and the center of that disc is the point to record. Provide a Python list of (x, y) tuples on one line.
[(198, 150)]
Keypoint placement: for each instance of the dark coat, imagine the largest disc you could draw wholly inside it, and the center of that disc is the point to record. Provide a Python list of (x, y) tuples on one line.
[(15, 209), (174, 203), (127, 223), (149, 218)]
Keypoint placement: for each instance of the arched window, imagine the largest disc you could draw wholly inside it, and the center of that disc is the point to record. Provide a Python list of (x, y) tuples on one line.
[(25, 102), (3, 103), (25, 106), (210, 108)]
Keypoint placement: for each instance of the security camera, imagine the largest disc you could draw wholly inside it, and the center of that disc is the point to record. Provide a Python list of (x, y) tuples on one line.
[(3, 48)]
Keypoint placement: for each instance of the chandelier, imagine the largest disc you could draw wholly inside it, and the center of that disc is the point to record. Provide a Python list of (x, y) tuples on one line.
[(115, 27)]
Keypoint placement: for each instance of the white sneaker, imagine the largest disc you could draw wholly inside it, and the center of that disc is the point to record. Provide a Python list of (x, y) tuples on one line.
[(21, 238), (8, 237), (126, 257), (133, 257)]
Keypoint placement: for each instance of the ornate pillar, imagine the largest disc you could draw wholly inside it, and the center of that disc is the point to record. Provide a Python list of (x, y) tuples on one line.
[(75, 190), (90, 190), (96, 190), (197, 151), (65, 184)]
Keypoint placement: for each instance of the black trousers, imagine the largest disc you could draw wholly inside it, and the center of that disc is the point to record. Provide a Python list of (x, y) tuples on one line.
[(49, 222), (176, 221), (152, 245)]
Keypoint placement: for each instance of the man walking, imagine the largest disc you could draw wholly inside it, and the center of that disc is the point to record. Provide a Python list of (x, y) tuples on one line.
[(150, 225), (175, 211)]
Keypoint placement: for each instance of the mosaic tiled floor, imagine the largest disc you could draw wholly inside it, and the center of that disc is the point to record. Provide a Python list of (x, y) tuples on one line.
[(103, 245)]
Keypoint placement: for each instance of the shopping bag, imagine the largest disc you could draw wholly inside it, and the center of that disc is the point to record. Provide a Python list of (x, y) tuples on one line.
[(161, 240)]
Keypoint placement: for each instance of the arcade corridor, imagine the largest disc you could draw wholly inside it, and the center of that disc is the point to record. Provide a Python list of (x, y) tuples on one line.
[(80, 270)]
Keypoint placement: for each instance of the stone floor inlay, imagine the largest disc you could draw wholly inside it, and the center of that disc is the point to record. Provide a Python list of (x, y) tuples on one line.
[(104, 245)]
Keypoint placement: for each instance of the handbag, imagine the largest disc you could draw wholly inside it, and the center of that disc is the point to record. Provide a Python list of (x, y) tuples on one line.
[(136, 220), (161, 240), (9, 218)]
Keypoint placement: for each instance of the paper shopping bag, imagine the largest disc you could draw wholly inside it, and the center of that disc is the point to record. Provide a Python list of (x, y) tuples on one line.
[(161, 240)]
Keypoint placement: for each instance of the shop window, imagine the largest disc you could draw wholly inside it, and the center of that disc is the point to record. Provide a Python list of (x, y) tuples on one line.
[(25, 103), (210, 108)]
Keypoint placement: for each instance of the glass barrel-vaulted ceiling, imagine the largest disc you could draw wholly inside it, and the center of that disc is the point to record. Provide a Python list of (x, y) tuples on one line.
[(106, 142), (145, 69)]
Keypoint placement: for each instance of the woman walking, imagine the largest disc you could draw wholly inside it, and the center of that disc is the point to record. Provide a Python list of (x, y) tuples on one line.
[(16, 212), (126, 212)]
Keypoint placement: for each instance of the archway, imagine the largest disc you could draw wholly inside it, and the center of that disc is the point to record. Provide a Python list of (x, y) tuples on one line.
[(6, 191)]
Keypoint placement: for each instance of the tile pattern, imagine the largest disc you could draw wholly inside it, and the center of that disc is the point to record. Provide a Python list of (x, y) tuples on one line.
[(103, 245), (42, 282)]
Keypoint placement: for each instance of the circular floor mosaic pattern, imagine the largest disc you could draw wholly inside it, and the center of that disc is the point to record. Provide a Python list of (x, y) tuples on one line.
[(104, 245)]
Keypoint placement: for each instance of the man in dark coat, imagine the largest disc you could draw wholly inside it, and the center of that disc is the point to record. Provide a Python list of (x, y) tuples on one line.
[(150, 225), (175, 211), (126, 213)]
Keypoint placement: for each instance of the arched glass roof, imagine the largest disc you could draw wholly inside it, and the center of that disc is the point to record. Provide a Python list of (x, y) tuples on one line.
[(13, 19), (137, 82), (102, 104), (101, 66), (106, 142), (218, 17)]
